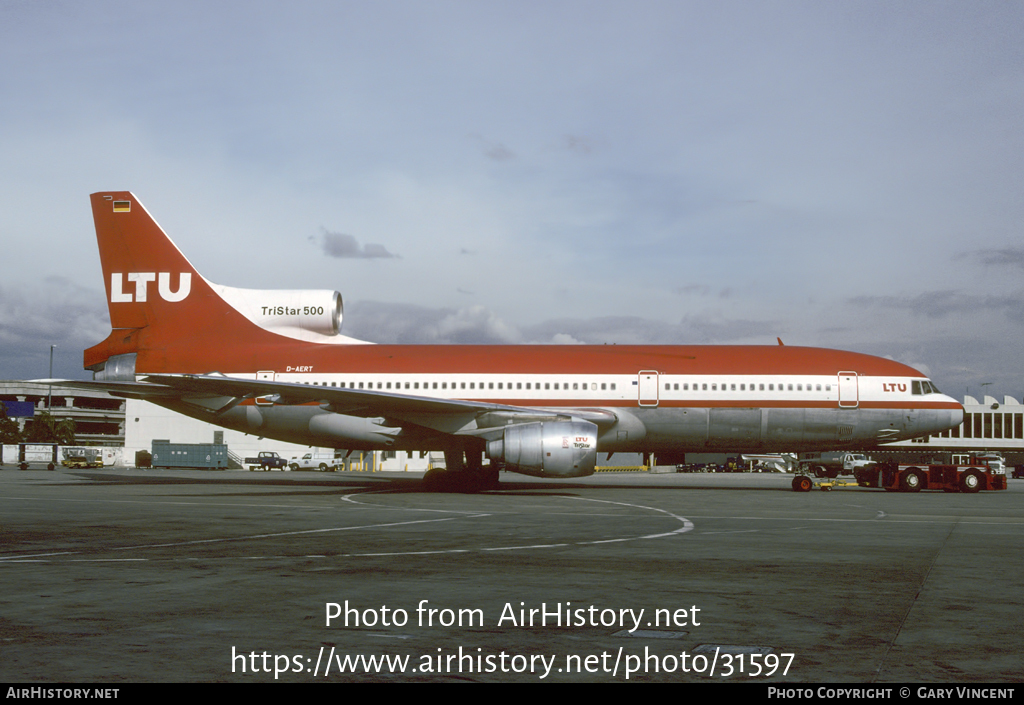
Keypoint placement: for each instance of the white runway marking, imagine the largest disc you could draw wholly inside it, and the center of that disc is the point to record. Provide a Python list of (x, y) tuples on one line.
[(292, 533), (685, 526)]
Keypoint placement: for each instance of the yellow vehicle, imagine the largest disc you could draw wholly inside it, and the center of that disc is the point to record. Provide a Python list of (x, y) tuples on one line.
[(82, 458)]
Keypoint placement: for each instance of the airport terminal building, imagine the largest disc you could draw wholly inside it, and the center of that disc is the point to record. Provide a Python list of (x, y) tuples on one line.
[(99, 417)]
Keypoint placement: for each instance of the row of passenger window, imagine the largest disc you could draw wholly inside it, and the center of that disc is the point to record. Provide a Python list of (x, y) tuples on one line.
[(573, 386), (577, 386), (743, 387)]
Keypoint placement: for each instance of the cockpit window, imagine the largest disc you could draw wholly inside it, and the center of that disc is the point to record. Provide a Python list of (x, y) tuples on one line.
[(923, 387)]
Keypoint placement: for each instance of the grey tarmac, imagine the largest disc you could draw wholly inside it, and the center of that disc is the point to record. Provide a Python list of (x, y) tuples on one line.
[(181, 575)]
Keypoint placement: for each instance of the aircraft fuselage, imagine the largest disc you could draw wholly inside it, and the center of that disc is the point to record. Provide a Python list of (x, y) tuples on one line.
[(679, 399)]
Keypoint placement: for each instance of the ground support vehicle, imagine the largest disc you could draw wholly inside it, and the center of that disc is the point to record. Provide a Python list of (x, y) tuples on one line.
[(267, 460), (973, 477), (804, 483), (834, 464), (323, 462), (37, 453), (82, 458)]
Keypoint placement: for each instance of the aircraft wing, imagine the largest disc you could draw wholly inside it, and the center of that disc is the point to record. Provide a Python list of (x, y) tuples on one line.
[(218, 393)]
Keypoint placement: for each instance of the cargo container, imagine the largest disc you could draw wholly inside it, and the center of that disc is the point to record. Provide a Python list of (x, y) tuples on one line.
[(189, 455)]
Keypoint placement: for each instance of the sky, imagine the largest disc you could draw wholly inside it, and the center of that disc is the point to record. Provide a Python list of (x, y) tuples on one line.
[(842, 175)]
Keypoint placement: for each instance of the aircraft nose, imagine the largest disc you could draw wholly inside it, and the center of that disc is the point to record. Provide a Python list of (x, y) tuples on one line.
[(939, 420), (932, 421), (956, 416)]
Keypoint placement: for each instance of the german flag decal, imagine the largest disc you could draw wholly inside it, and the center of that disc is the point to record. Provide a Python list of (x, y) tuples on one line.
[(122, 206)]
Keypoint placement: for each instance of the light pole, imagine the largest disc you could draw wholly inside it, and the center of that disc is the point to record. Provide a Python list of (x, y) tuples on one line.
[(49, 390)]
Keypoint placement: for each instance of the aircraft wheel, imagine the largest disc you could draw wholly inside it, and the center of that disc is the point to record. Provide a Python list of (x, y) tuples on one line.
[(911, 480), (489, 479), (433, 481), (802, 483), (468, 482), (460, 481), (970, 481), (867, 478)]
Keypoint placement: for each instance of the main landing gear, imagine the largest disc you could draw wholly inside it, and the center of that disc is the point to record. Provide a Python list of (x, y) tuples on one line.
[(464, 471)]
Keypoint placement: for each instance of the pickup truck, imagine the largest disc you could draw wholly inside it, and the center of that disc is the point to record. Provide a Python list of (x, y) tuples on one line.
[(267, 460)]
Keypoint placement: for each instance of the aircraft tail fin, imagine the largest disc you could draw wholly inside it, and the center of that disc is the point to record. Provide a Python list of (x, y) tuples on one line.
[(146, 276), (164, 313)]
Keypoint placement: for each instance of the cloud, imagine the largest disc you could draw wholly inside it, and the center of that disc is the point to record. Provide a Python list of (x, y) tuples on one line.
[(704, 290), (391, 323), (495, 151), (476, 325), (1007, 257), (345, 246), (957, 337), (693, 289), (941, 304), (714, 329), (579, 145), (67, 315), (406, 324), (499, 153)]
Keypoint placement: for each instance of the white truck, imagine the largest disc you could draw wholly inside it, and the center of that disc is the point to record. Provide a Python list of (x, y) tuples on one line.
[(833, 464), (316, 461)]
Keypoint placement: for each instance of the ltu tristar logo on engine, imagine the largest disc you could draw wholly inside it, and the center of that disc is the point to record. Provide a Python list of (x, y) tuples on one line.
[(142, 279)]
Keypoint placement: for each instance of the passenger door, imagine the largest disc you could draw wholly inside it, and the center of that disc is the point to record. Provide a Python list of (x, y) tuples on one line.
[(848, 390), (647, 392)]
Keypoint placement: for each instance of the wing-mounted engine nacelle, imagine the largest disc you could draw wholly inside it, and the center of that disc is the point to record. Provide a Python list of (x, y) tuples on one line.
[(548, 448), (291, 312)]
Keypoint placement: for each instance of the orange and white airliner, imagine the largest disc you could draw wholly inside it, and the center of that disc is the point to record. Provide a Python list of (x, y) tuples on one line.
[(272, 363)]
